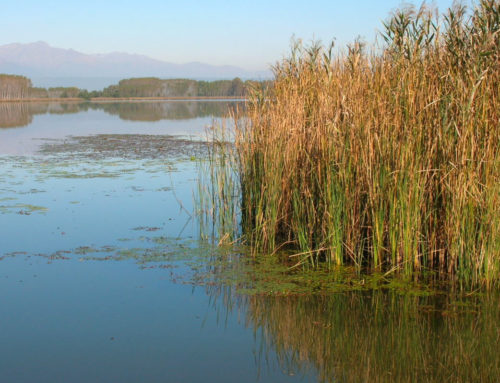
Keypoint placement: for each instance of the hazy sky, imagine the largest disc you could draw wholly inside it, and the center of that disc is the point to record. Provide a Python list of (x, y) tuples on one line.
[(250, 34)]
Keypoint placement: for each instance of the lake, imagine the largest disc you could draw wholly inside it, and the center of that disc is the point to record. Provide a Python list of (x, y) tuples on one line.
[(103, 275)]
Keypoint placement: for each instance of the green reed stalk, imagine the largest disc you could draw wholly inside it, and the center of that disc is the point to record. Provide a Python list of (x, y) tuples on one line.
[(384, 160)]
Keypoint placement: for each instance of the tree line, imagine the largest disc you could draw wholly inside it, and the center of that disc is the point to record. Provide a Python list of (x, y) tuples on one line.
[(20, 87), (13, 87)]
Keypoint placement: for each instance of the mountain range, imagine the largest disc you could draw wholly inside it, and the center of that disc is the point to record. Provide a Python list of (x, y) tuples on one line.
[(39, 59)]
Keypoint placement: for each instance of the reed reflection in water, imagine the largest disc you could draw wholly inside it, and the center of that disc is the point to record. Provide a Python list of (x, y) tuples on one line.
[(376, 336)]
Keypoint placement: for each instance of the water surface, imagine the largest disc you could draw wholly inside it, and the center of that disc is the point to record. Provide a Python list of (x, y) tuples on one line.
[(89, 195), (100, 261)]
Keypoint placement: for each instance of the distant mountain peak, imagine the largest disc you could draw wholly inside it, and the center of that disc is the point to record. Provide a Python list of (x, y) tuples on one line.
[(41, 59)]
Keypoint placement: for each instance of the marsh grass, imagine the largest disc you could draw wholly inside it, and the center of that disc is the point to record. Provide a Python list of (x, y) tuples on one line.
[(386, 160), (217, 197)]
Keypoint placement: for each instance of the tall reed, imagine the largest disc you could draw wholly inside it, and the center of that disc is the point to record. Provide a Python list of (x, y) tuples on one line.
[(388, 159)]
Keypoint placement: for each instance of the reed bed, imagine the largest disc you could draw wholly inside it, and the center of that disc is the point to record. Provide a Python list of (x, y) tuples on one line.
[(387, 159)]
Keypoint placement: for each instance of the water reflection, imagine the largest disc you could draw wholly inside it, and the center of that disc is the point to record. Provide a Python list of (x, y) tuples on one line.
[(377, 336), (172, 110), (18, 114)]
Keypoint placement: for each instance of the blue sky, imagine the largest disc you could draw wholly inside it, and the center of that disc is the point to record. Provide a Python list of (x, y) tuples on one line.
[(250, 34)]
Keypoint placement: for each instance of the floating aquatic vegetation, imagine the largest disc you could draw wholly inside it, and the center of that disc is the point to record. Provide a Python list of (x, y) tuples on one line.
[(23, 209), (146, 228), (125, 146), (164, 189), (31, 191), (84, 250)]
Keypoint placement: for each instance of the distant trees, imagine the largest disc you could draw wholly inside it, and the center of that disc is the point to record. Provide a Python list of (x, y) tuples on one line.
[(155, 87), (14, 87), (84, 93), (20, 87), (111, 91), (63, 92), (237, 88), (152, 87), (37, 93)]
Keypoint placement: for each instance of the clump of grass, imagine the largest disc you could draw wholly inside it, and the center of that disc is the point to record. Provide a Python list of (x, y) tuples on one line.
[(385, 160)]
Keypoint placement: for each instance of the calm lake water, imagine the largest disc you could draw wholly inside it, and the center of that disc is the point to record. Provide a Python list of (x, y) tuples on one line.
[(100, 261)]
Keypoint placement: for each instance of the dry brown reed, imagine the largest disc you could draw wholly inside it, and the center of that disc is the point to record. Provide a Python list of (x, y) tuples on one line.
[(388, 159)]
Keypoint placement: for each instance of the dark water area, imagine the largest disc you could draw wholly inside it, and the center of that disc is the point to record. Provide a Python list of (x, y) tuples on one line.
[(100, 261)]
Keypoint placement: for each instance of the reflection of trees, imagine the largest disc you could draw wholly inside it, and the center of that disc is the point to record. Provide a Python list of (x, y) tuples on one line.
[(17, 114), (66, 108), (173, 110)]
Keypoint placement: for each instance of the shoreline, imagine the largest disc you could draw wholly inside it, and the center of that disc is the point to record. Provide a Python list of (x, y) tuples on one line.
[(111, 99)]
